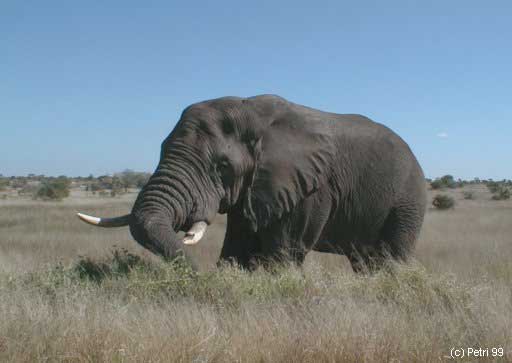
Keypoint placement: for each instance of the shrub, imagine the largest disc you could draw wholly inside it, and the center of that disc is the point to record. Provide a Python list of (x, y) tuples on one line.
[(28, 189), (117, 187), (443, 201), (4, 183), (493, 186), (446, 181), (120, 264), (18, 182), (94, 187), (55, 189), (469, 195), (436, 184), (501, 193), (132, 179), (460, 183)]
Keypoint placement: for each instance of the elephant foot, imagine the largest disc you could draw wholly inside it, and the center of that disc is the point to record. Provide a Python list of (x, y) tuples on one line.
[(368, 262)]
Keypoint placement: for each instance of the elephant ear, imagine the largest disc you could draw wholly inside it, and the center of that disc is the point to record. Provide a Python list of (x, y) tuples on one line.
[(292, 162)]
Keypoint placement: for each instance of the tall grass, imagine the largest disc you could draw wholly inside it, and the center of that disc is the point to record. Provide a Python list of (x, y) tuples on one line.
[(67, 294), (130, 309)]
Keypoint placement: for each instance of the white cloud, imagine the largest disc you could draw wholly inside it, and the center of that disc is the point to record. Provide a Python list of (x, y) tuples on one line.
[(442, 135)]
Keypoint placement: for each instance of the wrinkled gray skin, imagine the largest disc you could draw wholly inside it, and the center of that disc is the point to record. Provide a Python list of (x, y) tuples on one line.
[(291, 178)]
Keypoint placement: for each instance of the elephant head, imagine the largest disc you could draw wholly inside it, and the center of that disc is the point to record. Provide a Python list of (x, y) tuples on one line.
[(255, 155)]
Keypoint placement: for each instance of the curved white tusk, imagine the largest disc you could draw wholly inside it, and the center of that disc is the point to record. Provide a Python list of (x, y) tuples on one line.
[(195, 233), (105, 222)]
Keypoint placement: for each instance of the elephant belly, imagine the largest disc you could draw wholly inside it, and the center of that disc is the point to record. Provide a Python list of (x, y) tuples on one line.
[(342, 234)]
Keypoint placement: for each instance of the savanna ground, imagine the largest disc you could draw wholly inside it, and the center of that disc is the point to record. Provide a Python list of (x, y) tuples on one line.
[(71, 292)]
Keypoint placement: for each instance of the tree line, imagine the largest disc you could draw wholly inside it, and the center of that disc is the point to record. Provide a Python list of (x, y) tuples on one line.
[(57, 188), (500, 190)]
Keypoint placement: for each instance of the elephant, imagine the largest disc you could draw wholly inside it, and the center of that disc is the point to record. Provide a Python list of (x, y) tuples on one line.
[(292, 179)]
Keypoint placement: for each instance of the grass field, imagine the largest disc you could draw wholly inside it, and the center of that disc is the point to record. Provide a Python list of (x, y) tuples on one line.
[(70, 292)]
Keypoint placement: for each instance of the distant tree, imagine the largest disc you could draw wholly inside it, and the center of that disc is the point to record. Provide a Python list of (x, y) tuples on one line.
[(105, 182), (18, 182), (117, 186), (502, 193), (446, 181), (436, 184), (132, 179), (142, 180), (493, 186), (54, 189), (460, 183), (4, 183)]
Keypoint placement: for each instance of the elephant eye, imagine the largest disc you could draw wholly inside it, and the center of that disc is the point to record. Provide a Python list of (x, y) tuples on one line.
[(223, 166)]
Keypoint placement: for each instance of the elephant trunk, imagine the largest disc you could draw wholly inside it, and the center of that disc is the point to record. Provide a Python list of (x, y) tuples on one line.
[(155, 232), (168, 203), (174, 199)]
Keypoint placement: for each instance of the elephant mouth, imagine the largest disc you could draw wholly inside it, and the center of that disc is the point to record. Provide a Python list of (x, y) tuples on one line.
[(192, 236)]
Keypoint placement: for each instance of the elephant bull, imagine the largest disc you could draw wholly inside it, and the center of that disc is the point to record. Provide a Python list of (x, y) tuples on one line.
[(291, 179)]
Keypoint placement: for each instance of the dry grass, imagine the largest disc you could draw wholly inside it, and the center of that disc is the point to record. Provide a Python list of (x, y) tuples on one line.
[(56, 306)]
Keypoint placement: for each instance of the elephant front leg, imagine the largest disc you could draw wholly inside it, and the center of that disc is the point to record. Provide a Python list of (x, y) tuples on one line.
[(269, 259), (239, 252), (280, 245), (241, 244)]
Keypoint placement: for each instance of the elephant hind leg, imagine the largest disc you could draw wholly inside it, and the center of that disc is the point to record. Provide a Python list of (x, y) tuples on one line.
[(400, 231), (396, 241), (368, 259)]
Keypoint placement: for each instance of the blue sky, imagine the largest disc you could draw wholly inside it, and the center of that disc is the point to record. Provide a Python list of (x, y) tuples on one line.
[(94, 87)]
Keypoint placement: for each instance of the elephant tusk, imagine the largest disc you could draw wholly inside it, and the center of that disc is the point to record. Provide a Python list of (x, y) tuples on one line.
[(105, 222), (195, 233)]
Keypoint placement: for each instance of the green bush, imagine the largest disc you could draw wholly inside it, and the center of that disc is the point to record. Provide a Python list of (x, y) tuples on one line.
[(436, 184), (119, 264), (132, 179), (118, 187), (446, 181), (443, 202), (502, 193), (124, 273), (54, 189), (493, 186), (4, 183)]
